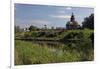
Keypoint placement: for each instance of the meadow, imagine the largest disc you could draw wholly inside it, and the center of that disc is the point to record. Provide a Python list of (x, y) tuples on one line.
[(30, 52)]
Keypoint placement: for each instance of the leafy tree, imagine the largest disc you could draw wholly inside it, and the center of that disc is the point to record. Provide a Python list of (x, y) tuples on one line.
[(88, 22), (32, 28), (17, 29), (92, 39), (41, 34), (45, 26)]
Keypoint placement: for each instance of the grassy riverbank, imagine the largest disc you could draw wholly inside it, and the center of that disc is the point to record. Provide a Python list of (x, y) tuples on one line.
[(30, 53), (51, 35)]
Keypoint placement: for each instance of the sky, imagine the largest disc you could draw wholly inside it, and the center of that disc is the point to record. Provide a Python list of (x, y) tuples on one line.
[(52, 16)]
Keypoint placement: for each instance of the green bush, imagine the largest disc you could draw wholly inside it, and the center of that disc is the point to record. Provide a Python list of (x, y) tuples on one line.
[(41, 34), (27, 35), (34, 34), (51, 35), (73, 35)]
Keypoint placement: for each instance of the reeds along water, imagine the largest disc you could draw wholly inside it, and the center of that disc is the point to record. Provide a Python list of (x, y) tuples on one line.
[(41, 52)]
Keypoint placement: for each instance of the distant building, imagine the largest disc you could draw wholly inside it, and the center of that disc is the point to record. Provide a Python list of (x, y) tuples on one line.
[(26, 29), (72, 24)]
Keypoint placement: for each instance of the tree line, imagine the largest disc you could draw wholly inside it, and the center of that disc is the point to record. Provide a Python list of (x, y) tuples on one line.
[(88, 22)]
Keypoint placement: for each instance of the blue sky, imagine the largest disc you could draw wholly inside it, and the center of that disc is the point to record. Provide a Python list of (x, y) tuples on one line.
[(40, 15)]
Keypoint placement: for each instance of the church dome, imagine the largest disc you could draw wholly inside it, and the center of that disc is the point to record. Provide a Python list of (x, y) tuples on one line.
[(72, 24)]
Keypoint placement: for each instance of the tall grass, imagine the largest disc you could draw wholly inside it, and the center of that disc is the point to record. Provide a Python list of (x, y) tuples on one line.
[(30, 53)]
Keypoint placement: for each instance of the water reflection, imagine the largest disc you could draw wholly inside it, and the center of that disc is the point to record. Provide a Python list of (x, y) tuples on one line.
[(80, 46), (54, 44), (82, 49)]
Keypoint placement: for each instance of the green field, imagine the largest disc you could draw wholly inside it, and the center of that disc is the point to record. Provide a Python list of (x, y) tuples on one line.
[(28, 52)]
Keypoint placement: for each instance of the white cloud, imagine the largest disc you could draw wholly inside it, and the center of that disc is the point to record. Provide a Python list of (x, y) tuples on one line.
[(62, 11), (39, 23), (68, 8), (42, 22), (25, 23), (60, 16)]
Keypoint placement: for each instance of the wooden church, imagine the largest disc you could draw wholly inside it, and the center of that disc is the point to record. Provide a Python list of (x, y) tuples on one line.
[(72, 24)]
